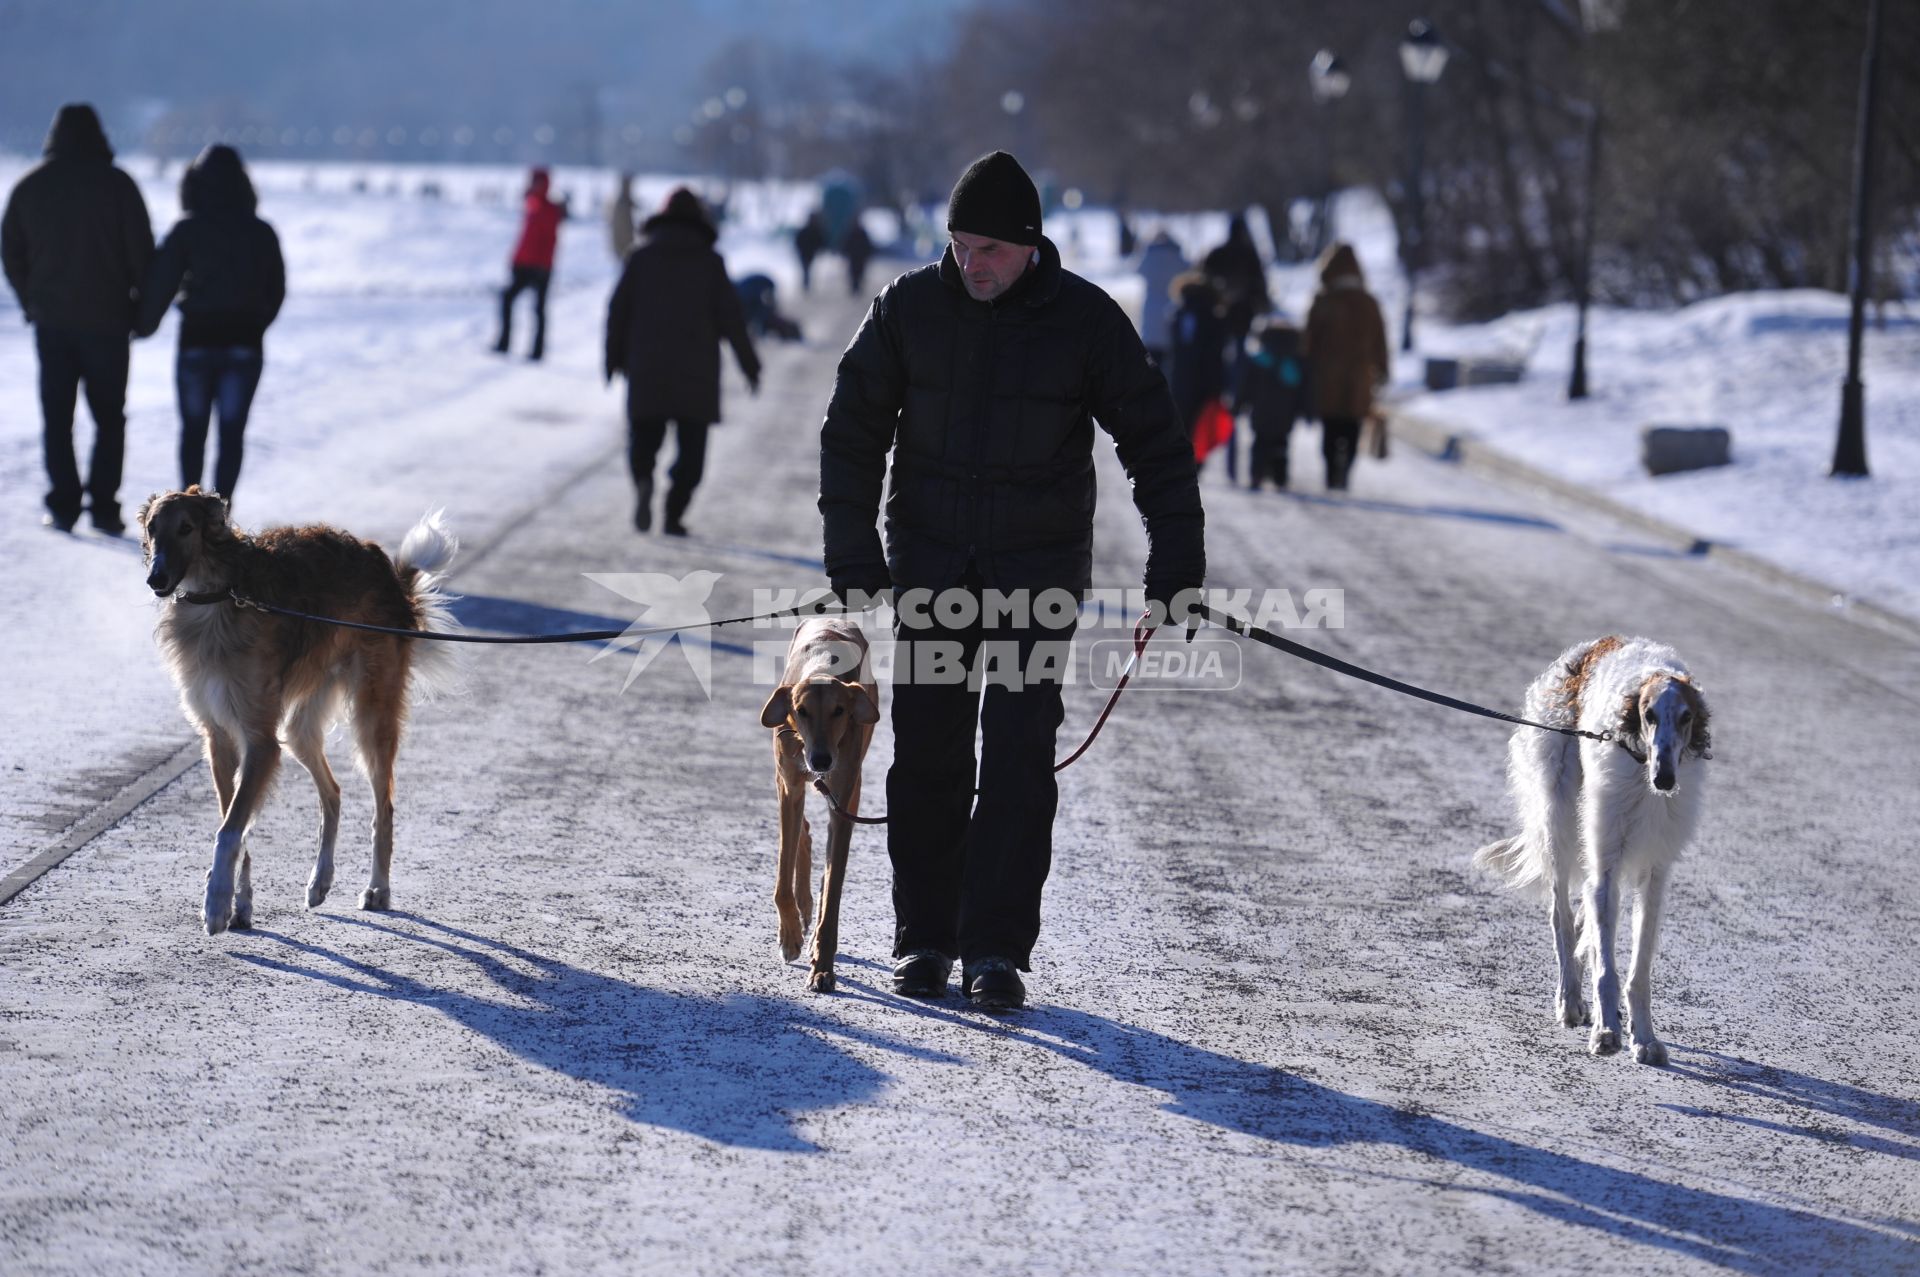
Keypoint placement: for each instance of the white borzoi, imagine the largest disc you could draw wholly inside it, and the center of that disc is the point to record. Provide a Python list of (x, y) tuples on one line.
[(1611, 814)]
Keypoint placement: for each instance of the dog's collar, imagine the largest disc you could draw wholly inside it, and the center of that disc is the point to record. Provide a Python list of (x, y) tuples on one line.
[(205, 596)]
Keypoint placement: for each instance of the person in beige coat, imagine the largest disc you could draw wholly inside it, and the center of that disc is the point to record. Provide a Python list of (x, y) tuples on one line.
[(1346, 349)]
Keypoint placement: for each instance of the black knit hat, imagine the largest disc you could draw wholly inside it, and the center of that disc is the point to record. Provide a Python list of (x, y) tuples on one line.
[(997, 199)]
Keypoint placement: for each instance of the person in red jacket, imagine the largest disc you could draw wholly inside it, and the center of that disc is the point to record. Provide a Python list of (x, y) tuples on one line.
[(533, 262)]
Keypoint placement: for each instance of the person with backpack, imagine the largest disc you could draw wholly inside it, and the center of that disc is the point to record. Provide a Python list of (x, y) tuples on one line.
[(1273, 394), (224, 264)]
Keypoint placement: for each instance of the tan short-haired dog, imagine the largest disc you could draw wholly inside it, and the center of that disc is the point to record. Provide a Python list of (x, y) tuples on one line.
[(822, 716)]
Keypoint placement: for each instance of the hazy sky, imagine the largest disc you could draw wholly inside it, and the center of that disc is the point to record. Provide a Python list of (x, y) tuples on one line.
[(338, 67)]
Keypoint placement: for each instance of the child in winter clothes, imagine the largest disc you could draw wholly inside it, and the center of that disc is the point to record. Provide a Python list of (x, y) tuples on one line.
[(1273, 394)]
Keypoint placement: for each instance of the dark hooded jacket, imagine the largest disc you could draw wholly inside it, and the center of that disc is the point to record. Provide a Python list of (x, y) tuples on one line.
[(988, 409), (75, 239), (222, 260), (671, 309)]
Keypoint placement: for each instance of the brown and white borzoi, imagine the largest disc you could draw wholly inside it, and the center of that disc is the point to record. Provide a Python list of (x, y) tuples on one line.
[(822, 716), (1613, 814), (249, 679)]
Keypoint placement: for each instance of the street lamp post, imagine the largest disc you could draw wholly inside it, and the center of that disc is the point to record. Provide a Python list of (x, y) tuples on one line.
[(1422, 57), (1583, 284), (1330, 80), (1850, 449)]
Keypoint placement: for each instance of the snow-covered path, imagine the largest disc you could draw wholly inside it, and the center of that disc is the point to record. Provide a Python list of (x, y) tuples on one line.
[(1278, 1023)]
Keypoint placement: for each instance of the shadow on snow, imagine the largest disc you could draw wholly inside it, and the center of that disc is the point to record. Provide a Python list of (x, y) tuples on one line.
[(738, 1069), (735, 1069)]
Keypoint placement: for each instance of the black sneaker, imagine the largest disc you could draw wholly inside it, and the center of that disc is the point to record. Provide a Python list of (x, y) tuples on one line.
[(674, 528), (58, 522), (922, 974), (993, 984), (109, 522)]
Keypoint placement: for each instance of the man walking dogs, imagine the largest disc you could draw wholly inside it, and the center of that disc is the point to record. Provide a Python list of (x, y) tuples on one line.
[(983, 375)]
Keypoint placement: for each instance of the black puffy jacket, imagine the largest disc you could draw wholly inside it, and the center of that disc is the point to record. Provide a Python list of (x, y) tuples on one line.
[(988, 409), (222, 260), (669, 313), (75, 238)]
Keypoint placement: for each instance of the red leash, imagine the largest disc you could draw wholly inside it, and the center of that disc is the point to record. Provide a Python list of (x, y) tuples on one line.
[(1141, 633)]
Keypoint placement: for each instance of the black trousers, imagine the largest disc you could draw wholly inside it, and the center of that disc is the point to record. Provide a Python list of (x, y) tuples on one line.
[(206, 379), (967, 872), (99, 361), (1339, 440), (644, 438), (524, 278), (1269, 458)]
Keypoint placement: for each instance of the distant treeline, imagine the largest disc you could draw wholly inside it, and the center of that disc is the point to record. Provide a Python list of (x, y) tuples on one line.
[(1726, 141)]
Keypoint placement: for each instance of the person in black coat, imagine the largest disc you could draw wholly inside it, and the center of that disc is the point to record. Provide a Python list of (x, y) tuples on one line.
[(671, 309), (75, 241), (983, 377), (224, 263), (807, 243), (857, 247), (1197, 369)]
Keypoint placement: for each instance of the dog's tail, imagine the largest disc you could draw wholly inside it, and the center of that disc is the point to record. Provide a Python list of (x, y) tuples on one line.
[(1515, 862), (424, 554)]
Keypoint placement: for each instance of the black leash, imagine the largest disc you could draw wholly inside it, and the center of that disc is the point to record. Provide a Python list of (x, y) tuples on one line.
[(440, 636), (1260, 634), (1142, 632), (1225, 620)]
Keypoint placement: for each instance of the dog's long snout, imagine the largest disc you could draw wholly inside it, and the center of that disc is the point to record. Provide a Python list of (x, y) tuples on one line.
[(157, 577), (1663, 779), (820, 762)]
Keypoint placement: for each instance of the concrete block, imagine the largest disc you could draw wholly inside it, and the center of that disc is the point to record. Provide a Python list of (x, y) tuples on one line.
[(1672, 449)]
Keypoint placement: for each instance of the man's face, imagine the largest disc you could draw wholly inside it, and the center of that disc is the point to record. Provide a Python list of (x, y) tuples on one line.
[(989, 267)]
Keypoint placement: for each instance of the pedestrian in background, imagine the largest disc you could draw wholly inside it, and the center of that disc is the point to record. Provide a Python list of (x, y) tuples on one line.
[(1346, 348), (1197, 368), (1273, 394), (669, 313), (1240, 277), (1161, 262), (75, 242), (808, 242), (857, 247), (620, 220), (532, 264), (224, 263)]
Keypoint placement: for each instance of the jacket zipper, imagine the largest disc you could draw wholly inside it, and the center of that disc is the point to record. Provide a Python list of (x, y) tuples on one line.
[(980, 440)]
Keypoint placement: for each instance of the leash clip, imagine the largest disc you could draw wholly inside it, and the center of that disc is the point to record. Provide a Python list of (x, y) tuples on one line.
[(241, 600)]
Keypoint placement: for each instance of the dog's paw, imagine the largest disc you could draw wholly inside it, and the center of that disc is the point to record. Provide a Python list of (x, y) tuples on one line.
[(1652, 1051), (242, 919), (317, 888), (820, 982), (376, 898), (216, 911), (792, 931), (1573, 1014), (1603, 1041)]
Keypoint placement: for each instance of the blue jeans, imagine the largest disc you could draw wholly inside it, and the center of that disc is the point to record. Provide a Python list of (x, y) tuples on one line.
[(207, 378)]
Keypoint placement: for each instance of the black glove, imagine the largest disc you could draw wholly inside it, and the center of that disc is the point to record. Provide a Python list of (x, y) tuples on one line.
[(1172, 602), (856, 587)]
